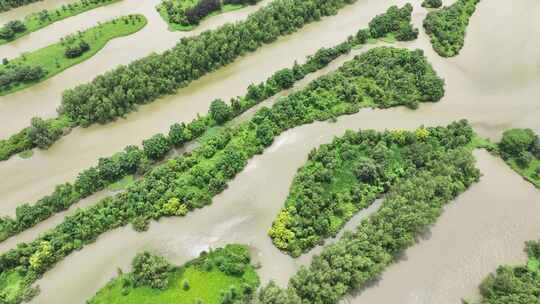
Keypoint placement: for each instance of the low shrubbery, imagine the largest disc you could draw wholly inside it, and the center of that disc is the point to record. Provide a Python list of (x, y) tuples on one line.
[(6, 5), (447, 27), (432, 3)]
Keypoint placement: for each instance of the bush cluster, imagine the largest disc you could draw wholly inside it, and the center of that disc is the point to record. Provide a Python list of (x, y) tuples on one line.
[(447, 27), (77, 49), (14, 75), (10, 29)]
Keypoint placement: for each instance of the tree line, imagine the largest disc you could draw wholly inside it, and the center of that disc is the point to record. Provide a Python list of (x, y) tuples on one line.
[(447, 27), (190, 181), (6, 5), (134, 160), (118, 92), (138, 160), (410, 207), (180, 13)]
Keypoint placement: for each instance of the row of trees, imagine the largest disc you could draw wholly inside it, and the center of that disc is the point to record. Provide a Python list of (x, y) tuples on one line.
[(432, 3), (410, 207), (134, 160), (447, 27), (192, 180), (6, 5), (179, 12), (117, 92)]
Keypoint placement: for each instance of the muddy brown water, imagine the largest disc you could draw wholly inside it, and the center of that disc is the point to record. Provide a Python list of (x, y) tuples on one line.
[(493, 83)]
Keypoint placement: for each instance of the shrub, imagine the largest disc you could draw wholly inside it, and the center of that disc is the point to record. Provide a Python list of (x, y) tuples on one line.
[(151, 270)]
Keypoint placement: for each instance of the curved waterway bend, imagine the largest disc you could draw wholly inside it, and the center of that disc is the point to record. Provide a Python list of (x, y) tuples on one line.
[(489, 84), (42, 99)]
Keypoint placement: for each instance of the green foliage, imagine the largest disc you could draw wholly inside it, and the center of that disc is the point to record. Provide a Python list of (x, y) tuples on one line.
[(220, 111), (46, 62), (432, 3), (395, 20), (156, 147), (37, 21), (6, 5), (119, 91), (347, 175), (189, 284), (520, 148), (410, 206), (150, 270), (132, 160), (447, 26), (514, 284), (195, 178)]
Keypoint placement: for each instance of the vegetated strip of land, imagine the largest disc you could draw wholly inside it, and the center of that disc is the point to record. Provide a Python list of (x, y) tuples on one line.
[(221, 276), (411, 205), (6, 5), (447, 27), (185, 15), (514, 284), (118, 92), (323, 198), (520, 149), (37, 66), (116, 172), (16, 29), (381, 77)]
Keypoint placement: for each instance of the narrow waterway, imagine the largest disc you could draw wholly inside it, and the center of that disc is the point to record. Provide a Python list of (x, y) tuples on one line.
[(493, 83)]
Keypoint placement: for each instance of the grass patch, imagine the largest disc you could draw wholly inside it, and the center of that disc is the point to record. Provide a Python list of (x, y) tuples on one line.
[(479, 142), (528, 172), (190, 3), (122, 184), (37, 21), (206, 284), (52, 58)]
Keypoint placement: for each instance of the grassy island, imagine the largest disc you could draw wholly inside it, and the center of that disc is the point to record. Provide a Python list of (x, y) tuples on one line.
[(16, 29), (30, 68), (224, 275)]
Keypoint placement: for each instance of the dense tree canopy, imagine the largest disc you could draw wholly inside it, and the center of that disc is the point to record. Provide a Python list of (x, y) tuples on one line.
[(6, 5), (411, 205), (447, 26), (194, 179)]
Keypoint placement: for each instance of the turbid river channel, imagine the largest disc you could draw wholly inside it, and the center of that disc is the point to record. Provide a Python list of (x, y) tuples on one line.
[(494, 83)]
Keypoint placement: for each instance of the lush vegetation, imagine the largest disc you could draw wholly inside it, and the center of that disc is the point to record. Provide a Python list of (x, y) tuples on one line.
[(444, 169), (6, 5), (432, 3), (381, 77), (36, 66), (33, 22), (520, 148), (447, 27), (221, 276), (117, 172), (185, 15), (112, 170), (118, 92), (514, 284)]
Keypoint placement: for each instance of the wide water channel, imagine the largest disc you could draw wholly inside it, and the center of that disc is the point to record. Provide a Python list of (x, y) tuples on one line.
[(494, 83)]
